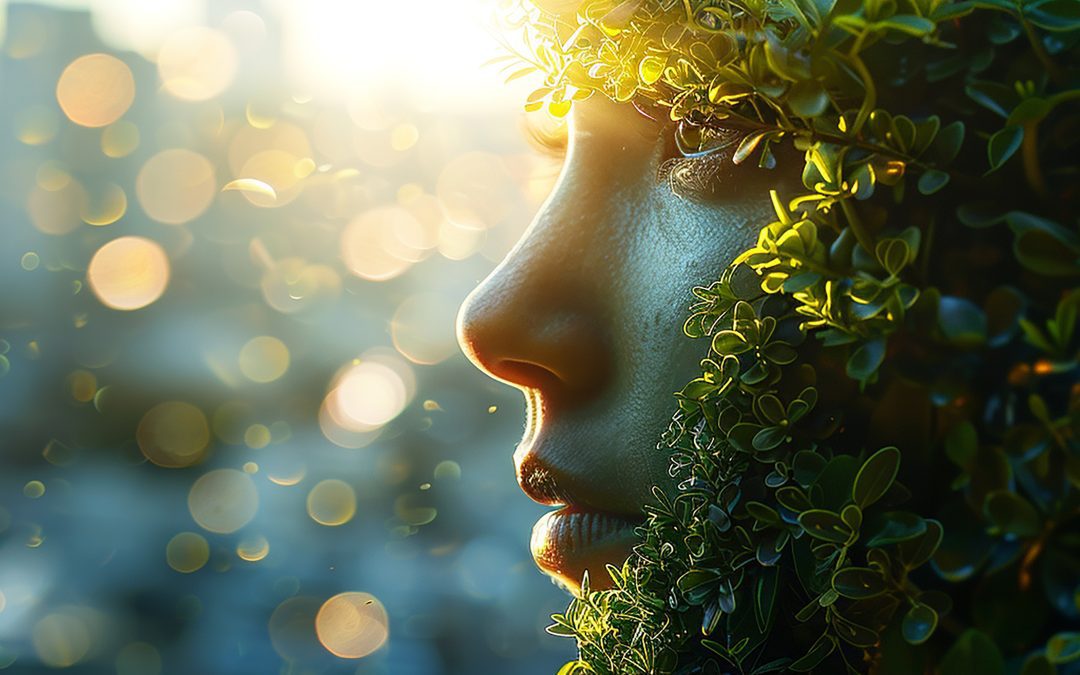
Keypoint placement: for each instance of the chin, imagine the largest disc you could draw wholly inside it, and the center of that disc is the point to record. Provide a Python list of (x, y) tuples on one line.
[(569, 542)]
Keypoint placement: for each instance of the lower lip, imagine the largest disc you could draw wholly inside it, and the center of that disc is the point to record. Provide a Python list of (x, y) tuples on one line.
[(567, 542)]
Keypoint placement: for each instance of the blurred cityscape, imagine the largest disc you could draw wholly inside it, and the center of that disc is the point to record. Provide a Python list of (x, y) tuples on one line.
[(238, 434)]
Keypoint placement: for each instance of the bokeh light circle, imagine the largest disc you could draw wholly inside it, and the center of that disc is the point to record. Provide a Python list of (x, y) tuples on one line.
[(187, 552), (128, 273), (95, 90), (352, 625), (422, 328), (223, 500), (264, 359), (367, 396), (331, 502), (176, 185), (253, 549), (196, 63), (173, 434), (61, 639)]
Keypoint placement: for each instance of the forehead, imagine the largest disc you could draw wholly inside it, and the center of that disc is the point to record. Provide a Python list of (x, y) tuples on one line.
[(599, 116)]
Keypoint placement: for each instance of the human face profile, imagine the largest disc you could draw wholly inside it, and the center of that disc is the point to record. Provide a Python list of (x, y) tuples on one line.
[(584, 316)]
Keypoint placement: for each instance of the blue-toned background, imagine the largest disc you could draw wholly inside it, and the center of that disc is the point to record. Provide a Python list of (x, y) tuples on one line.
[(233, 248)]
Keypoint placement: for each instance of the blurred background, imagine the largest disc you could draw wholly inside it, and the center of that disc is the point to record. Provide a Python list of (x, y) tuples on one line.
[(238, 435)]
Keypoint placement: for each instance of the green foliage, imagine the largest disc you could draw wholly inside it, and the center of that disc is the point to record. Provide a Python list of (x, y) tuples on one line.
[(795, 542)]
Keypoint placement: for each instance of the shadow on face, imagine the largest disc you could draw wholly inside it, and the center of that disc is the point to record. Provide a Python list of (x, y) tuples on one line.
[(585, 316)]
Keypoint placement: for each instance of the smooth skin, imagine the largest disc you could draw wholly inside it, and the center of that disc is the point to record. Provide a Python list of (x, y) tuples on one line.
[(585, 314)]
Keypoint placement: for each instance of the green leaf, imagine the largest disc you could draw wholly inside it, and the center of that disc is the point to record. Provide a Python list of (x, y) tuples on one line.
[(747, 146), (961, 321), (858, 583), (821, 649), (807, 99), (825, 525), (1054, 15), (876, 476), (932, 180), (948, 141), (919, 623), (1003, 145), (1029, 110), (1012, 514), (1063, 648), (973, 652), (962, 444), (916, 552), (729, 342), (915, 26), (894, 527), (1037, 664), (865, 360)]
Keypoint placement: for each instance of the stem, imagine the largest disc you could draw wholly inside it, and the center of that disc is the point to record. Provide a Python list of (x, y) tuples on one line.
[(1040, 52), (856, 225), (1030, 153)]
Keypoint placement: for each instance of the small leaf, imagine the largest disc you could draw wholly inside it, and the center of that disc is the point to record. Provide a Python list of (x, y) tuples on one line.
[(916, 552), (857, 583), (729, 342), (894, 527), (962, 322), (932, 180), (747, 146), (865, 360), (973, 652), (1012, 514), (1003, 145), (825, 525), (876, 476), (919, 623), (916, 26), (1063, 648), (824, 646)]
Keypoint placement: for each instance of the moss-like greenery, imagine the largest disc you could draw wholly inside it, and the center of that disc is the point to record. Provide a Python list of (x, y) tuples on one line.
[(918, 512)]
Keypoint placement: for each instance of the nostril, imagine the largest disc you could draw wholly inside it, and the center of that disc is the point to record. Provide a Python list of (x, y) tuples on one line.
[(525, 374)]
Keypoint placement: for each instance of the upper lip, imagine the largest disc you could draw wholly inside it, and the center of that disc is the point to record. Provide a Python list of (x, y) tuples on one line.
[(546, 484)]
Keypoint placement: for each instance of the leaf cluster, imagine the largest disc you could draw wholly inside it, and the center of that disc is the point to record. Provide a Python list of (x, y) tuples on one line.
[(927, 517)]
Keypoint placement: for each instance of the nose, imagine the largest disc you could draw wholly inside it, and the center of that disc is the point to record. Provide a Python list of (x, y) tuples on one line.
[(538, 322)]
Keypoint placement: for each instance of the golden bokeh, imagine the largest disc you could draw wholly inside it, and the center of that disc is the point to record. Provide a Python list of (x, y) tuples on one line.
[(331, 502), (128, 273), (119, 139), (253, 549), (57, 203), (95, 90), (375, 245), (367, 396), (264, 359), (291, 285), (196, 63), (257, 436), (187, 552), (223, 500), (476, 189), (105, 207), (352, 625), (422, 328), (30, 261), (447, 469), (138, 658), (292, 629), (83, 385), (34, 489), (61, 639), (280, 170), (173, 434), (176, 186)]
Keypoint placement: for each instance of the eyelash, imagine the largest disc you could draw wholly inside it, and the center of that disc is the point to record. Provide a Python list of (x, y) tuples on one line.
[(694, 174), (548, 139)]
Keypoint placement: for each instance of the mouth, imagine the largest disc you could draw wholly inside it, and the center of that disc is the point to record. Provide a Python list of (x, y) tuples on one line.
[(570, 541)]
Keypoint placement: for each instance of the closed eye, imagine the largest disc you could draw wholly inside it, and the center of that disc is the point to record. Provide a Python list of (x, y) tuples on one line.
[(548, 136)]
